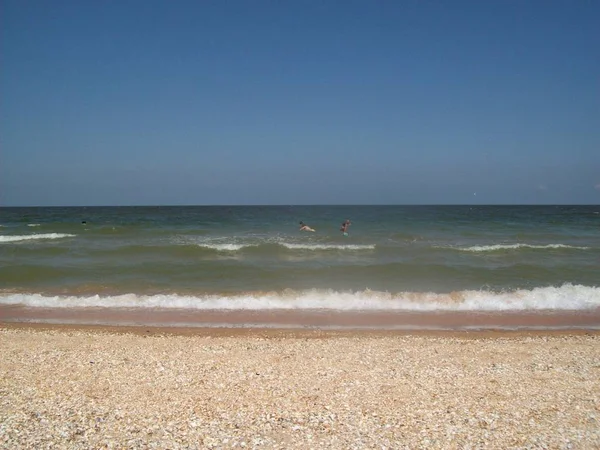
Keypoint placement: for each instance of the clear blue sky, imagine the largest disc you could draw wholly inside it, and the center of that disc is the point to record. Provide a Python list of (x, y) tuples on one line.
[(299, 102)]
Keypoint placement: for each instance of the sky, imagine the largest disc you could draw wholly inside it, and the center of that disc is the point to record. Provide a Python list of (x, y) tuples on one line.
[(299, 102)]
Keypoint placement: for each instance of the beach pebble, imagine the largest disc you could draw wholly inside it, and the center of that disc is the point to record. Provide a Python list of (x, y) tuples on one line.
[(335, 391)]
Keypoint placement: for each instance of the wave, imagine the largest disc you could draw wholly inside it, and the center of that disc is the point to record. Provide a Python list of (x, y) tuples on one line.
[(565, 297), (500, 247), (328, 246), (226, 247), (28, 237), (33, 225), (229, 247)]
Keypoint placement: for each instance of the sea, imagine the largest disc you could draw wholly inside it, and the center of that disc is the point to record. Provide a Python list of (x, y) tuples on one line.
[(398, 267)]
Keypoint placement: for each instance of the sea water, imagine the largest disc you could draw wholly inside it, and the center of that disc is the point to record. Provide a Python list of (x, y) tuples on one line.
[(255, 258)]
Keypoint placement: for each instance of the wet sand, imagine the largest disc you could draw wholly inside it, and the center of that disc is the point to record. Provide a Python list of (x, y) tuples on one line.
[(92, 386), (308, 319)]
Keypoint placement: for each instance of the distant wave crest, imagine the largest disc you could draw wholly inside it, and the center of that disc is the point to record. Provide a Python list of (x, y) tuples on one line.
[(500, 247), (226, 247), (28, 237), (231, 247), (328, 247), (566, 297)]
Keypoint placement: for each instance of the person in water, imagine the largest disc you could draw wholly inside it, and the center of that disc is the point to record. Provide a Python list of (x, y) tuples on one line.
[(344, 227), (304, 227)]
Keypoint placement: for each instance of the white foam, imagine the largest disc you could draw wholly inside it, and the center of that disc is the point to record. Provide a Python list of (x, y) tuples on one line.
[(225, 247), (327, 247), (499, 247), (33, 224), (28, 237), (231, 247), (566, 297)]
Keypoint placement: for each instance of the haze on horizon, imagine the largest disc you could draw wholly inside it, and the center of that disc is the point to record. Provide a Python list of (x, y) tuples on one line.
[(175, 103)]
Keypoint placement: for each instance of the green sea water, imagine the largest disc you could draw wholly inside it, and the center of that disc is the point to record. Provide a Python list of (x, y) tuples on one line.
[(487, 257)]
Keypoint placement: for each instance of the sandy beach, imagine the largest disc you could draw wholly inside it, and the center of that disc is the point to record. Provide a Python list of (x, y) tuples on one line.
[(126, 387)]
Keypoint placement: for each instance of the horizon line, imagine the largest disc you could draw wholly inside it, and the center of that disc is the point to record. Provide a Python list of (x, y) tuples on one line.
[(294, 205)]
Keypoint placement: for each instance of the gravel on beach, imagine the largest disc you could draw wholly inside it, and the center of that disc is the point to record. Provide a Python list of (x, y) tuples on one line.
[(81, 389)]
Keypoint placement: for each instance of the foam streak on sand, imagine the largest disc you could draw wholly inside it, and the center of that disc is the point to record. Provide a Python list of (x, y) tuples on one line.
[(76, 389)]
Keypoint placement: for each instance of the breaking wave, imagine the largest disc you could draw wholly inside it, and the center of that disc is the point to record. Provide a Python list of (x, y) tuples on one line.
[(328, 247), (230, 247), (500, 247), (226, 247), (28, 237), (566, 297)]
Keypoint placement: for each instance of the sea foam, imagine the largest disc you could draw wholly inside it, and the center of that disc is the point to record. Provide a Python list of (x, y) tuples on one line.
[(500, 247), (28, 237), (226, 247), (231, 247), (566, 297), (328, 246)]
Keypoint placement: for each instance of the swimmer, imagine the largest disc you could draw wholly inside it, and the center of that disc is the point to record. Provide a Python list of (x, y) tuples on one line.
[(304, 227), (344, 227)]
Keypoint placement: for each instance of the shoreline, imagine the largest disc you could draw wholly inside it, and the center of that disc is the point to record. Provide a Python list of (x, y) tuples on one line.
[(304, 319), (289, 333)]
